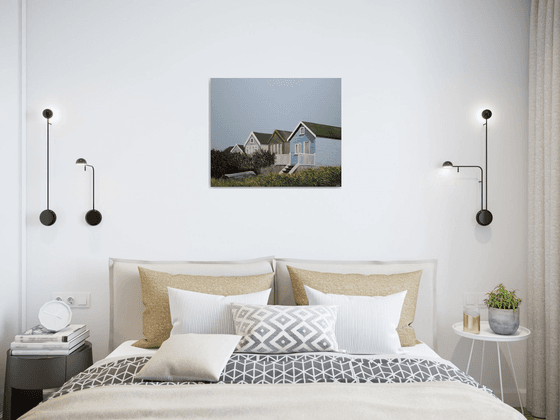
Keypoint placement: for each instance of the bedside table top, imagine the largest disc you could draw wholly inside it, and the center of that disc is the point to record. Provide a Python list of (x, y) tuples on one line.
[(486, 333)]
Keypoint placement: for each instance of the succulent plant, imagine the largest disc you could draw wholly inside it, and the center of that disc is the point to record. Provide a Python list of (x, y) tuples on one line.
[(501, 298)]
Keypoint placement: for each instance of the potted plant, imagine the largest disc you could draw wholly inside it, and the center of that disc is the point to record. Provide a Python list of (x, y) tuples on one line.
[(503, 310)]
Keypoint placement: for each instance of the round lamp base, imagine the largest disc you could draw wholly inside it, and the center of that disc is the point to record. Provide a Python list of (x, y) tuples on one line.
[(93, 217), (484, 217), (47, 217)]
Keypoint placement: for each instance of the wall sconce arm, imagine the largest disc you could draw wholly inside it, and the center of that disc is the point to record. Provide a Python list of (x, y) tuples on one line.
[(481, 179), (93, 178)]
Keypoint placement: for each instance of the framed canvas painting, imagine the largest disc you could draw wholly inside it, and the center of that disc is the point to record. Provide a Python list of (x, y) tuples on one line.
[(275, 132)]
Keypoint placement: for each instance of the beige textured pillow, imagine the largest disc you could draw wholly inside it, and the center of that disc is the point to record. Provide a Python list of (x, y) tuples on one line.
[(190, 357), (157, 316), (364, 285)]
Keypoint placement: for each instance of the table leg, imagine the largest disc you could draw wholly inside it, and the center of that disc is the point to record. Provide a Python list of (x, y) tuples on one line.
[(470, 355), (500, 369), (482, 362), (516, 387), (6, 409)]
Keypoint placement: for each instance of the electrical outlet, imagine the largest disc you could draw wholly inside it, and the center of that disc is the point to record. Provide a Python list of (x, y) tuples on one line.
[(73, 299)]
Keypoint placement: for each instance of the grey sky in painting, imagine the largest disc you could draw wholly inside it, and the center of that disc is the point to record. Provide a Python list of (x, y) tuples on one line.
[(239, 106)]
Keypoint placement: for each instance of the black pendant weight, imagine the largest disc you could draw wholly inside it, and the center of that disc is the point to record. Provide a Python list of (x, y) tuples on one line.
[(93, 217), (484, 217), (47, 217)]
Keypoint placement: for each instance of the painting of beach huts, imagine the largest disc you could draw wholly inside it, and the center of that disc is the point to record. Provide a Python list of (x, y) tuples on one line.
[(275, 132)]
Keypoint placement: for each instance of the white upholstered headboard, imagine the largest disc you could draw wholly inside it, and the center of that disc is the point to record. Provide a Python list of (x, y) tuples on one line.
[(126, 294)]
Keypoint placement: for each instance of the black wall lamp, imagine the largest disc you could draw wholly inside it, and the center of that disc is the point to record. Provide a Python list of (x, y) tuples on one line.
[(483, 217), (93, 217), (48, 217)]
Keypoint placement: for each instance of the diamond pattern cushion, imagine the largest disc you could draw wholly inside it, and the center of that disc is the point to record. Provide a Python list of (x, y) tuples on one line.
[(285, 329)]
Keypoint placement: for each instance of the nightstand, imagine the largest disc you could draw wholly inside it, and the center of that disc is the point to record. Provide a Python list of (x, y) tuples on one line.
[(27, 376), (486, 334)]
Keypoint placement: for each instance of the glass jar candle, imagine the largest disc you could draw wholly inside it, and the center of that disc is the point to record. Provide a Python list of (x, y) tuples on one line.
[(471, 319)]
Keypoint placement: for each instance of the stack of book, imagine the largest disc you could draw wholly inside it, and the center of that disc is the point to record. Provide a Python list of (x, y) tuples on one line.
[(38, 341)]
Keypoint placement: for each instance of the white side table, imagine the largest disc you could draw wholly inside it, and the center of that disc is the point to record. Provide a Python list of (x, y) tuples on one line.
[(486, 334)]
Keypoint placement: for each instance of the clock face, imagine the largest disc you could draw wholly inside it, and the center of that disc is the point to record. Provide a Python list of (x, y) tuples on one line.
[(55, 315)]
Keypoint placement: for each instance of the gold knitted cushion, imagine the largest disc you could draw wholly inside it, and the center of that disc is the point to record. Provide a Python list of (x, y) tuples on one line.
[(364, 285), (157, 317)]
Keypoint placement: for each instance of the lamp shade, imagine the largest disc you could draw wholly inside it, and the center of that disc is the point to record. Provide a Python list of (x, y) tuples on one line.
[(446, 164), (81, 161)]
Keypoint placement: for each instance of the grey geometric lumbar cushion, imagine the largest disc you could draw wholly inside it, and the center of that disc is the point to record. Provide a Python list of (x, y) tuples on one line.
[(285, 329)]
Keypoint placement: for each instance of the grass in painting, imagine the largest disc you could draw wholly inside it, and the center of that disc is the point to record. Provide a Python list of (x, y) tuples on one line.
[(323, 176)]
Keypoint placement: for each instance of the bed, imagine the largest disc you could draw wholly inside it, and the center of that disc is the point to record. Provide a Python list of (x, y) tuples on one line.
[(413, 382)]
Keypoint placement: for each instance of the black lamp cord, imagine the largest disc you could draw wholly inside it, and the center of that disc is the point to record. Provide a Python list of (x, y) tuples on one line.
[(486, 166), (93, 169), (48, 123)]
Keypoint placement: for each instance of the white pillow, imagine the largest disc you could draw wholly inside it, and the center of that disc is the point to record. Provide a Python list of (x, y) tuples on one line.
[(190, 357), (365, 324), (201, 313)]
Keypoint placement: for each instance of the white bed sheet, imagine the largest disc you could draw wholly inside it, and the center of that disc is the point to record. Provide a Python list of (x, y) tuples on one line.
[(126, 349)]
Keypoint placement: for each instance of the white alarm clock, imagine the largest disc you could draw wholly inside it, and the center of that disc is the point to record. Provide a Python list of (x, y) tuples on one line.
[(55, 315)]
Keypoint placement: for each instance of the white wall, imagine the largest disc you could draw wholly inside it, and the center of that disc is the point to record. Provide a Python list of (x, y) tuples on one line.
[(131, 80), (10, 181)]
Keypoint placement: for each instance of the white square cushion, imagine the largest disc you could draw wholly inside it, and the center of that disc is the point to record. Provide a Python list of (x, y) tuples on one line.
[(190, 357), (201, 313), (365, 324)]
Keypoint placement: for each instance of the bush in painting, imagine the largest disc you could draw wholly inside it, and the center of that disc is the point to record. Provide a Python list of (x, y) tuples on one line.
[(223, 162)]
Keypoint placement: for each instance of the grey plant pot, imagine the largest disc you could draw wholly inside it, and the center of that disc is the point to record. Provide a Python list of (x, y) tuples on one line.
[(503, 321)]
